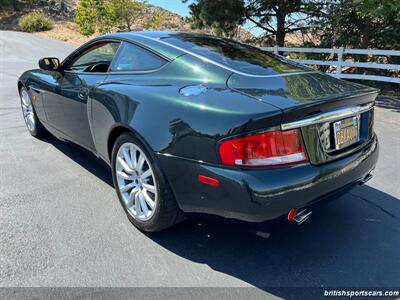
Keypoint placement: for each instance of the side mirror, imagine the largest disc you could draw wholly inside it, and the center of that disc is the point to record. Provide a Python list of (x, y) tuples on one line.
[(49, 63)]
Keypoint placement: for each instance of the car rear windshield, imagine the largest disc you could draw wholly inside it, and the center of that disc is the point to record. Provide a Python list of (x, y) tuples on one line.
[(238, 56)]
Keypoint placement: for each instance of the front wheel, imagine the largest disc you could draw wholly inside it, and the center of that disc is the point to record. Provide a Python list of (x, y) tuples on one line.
[(141, 187), (32, 122)]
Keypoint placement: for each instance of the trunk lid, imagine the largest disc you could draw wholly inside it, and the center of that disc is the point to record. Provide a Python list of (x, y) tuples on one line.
[(301, 94), (304, 95)]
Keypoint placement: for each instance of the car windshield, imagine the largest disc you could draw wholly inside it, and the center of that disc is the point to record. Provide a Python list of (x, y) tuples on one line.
[(241, 57)]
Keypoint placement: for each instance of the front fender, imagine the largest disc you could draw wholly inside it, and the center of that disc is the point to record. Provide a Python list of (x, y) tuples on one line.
[(34, 85)]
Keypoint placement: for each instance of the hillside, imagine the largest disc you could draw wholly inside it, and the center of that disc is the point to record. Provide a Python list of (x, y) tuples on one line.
[(63, 14)]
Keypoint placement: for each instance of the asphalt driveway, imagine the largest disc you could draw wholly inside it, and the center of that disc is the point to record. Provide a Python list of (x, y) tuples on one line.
[(61, 223)]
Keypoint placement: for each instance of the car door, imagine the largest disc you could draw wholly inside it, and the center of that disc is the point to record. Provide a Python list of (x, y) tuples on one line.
[(133, 65), (68, 110)]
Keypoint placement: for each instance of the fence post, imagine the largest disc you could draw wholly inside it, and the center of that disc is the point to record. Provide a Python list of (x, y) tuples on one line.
[(339, 62), (276, 50)]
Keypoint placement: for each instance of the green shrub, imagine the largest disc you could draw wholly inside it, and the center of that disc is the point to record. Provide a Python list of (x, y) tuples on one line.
[(35, 22)]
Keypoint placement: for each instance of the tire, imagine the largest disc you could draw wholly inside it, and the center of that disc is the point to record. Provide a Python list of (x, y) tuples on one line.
[(32, 122), (141, 187)]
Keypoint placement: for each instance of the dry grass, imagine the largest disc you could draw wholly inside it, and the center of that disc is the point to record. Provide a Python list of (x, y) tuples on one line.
[(67, 32)]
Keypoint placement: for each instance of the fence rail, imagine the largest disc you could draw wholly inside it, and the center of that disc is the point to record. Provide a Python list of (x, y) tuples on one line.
[(339, 63)]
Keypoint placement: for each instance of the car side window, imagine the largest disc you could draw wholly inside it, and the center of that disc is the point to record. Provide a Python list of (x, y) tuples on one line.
[(96, 59), (135, 58)]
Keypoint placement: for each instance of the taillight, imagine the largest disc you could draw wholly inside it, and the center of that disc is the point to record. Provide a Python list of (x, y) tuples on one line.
[(265, 149)]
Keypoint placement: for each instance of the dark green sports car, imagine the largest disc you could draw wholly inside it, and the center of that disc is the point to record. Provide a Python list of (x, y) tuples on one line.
[(192, 123)]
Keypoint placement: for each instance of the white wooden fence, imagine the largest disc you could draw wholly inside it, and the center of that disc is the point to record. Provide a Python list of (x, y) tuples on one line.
[(340, 63)]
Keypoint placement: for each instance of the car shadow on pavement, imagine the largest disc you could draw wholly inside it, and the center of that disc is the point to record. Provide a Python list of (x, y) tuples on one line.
[(350, 242), (84, 158), (392, 103)]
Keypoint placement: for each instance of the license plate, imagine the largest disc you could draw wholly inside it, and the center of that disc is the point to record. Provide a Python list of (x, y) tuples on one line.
[(346, 132)]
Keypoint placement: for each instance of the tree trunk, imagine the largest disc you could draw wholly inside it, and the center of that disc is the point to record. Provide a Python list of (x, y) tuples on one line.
[(280, 28), (280, 38)]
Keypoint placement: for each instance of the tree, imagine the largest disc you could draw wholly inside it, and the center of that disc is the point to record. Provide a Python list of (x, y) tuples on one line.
[(124, 13), (90, 16), (274, 17), (103, 16), (360, 24), (222, 16)]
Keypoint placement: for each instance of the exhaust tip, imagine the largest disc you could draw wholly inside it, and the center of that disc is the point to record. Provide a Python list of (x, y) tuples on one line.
[(366, 179), (302, 216), (299, 217)]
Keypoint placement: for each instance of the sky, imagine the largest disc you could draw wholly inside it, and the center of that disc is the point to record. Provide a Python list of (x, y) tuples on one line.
[(176, 6)]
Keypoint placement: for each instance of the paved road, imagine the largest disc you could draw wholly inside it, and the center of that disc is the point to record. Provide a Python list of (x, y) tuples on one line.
[(61, 223)]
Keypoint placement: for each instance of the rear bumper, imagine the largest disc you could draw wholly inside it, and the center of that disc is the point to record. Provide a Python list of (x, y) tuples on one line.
[(261, 195)]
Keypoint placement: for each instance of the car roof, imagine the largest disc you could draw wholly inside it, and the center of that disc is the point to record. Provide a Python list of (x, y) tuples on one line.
[(153, 40), (157, 41), (133, 35)]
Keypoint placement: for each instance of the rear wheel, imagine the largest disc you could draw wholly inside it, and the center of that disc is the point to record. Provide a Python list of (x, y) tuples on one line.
[(141, 187), (32, 122)]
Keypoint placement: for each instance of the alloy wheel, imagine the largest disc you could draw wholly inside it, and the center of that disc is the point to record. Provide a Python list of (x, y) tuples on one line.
[(27, 110), (136, 182)]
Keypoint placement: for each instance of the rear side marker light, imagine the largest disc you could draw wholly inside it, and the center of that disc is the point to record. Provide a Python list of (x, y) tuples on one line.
[(265, 149), (292, 213), (208, 180)]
